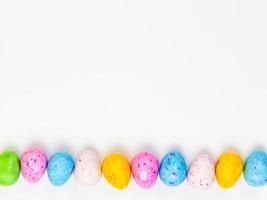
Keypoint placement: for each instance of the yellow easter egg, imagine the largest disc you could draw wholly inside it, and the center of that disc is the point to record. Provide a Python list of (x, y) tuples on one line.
[(116, 170), (228, 169)]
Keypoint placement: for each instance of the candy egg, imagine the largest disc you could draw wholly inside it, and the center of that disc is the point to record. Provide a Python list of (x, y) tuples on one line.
[(33, 164), (87, 168), (201, 173), (228, 170), (116, 170), (9, 168), (60, 167), (255, 170), (145, 169), (173, 169)]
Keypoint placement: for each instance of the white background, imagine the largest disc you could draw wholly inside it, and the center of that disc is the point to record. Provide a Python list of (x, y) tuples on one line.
[(129, 76)]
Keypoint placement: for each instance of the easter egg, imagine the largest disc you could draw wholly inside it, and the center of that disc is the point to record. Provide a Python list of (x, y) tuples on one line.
[(255, 170), (201, 172), (173, 169), (87, 168), (9, 168), (33, 164), (116, 170), (60, 167), (228, 169), (145, 169)]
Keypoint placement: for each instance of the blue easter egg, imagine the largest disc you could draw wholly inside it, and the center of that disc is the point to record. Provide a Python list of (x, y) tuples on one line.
[(60, 167), (255, 170), (173, 169)]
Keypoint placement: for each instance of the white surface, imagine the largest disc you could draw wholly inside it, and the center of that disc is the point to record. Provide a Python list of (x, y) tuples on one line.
[(133, 75)]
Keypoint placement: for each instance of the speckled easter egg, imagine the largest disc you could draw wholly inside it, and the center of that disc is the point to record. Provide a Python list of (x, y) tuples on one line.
[(87, 168), (60, 167), (255, 170), (145, 169), (9, 168), (173, 169), (228, 170), (201, 173), (33, 164), (116, 170)]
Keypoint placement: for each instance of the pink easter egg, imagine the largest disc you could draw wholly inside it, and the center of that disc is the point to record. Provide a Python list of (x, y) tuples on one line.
[(145, 169), (33, 164), (201, 173)]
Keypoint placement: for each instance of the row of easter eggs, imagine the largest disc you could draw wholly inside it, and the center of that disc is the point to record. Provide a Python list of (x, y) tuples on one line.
[(144, 168)]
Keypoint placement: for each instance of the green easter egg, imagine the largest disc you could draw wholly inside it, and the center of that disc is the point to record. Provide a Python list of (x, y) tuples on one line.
[(9, 168)]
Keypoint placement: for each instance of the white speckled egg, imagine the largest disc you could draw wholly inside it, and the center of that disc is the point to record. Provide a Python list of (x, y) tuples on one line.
[(201, 173), (87, 168)]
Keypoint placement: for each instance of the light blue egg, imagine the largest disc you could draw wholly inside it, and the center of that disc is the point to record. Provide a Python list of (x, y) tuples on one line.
[(173, 169), (255, 170), (60, 167)]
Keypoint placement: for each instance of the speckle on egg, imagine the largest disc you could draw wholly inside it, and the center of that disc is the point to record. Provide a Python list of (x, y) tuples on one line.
[(255, 170), (145, 169), (33, 164), (201, 173), (87, 168), (228, 169), (173, 169), (60, 167), (116, 170)]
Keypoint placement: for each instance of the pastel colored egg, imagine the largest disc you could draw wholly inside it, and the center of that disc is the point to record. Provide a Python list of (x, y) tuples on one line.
[(145, 169), (87, 168), (9, 168), (228, 170), (173, 169), (33, 164), (255, 170), (201, 172), (116, 170), (60, 167)]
